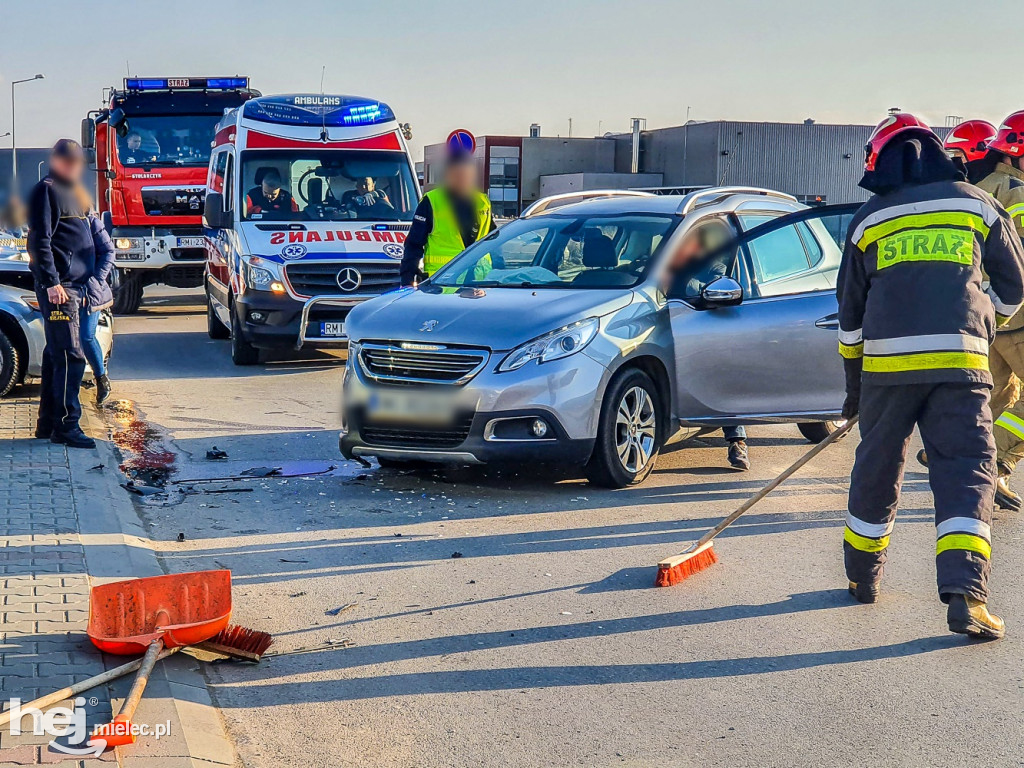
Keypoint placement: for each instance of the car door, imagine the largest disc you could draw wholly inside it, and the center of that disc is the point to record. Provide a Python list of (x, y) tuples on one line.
[(773, 355)]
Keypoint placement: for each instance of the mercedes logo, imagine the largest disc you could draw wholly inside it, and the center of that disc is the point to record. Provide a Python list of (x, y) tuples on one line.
[(349, 279)]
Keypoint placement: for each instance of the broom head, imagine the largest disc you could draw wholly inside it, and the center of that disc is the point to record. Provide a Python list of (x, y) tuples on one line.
[(682, 566)]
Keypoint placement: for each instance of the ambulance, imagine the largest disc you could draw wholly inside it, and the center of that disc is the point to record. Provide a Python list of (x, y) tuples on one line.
[(309, 199)]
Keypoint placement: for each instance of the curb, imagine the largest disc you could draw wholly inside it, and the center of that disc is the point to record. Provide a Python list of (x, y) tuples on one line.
[(117, 547)]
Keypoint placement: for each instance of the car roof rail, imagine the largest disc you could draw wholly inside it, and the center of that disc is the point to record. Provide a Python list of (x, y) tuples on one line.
[(715, 194), (568, 198)]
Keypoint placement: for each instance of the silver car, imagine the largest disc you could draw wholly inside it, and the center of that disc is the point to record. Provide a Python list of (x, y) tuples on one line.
[(597, 333), (21, 327)]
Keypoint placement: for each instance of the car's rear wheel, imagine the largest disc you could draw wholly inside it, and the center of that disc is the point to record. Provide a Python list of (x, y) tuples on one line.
[(816, 431), (214, 327), (628, 435), (242, 352), (8, 365)]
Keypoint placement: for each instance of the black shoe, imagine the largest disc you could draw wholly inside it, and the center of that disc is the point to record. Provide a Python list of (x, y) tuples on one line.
[(922, 457), (1005, 496), (43, 431), (102, 389), (864, 593), (969, 616), (738, 455), (74, 439)]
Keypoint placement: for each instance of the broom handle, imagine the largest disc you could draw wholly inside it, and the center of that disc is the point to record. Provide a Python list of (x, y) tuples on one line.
[(776, 482), (139, 686), (82, 686)]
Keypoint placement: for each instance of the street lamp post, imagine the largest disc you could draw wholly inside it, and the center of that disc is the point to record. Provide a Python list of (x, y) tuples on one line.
[(14, 142)]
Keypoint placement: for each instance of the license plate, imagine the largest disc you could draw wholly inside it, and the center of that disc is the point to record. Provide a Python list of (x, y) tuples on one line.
[(191, 242), (122, 256), (332, 329), (411, 407)]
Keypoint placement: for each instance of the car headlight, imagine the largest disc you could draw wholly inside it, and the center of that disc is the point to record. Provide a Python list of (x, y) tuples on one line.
[(553, 346), (262, 279), (128, 244)]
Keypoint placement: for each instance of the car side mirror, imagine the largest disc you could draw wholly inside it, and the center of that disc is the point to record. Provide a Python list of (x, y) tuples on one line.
[(214, 215), (722, 292)]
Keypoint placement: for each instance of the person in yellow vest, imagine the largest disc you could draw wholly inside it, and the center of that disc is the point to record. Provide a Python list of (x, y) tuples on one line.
[(449, 218)]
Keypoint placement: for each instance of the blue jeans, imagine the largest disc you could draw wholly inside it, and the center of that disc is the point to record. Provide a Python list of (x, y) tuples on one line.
[(90, 346), (731, 433)]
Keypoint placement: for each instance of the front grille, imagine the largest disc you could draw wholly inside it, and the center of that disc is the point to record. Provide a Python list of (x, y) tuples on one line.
[(441, 366), (338, 278), (404, 436)]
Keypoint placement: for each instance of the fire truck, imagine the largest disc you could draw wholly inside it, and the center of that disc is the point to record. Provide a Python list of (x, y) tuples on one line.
[(150, 147), (310, 200)]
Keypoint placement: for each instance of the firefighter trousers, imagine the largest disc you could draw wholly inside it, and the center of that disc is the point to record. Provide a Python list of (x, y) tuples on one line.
[(1006, 362), (63, 363), (956, 426)]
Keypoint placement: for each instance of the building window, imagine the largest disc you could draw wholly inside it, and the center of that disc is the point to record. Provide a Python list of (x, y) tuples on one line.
[(503, 181)]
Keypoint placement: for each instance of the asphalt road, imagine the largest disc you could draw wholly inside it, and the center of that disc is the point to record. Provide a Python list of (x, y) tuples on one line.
[(545, 643)]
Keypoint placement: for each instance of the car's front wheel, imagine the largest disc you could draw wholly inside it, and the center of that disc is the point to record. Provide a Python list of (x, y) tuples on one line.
[(816, 431), (242, 352), (628, 436)]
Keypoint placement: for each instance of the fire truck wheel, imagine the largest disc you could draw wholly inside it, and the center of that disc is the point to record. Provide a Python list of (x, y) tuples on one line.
[(242, 352), (214, 327), (127, 295)]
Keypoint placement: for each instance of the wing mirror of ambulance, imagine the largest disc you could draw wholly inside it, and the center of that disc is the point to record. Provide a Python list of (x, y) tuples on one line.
[(214, 215), (722, 292)]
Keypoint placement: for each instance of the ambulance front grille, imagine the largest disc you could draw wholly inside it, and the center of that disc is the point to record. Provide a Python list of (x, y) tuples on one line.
[(358, 278)]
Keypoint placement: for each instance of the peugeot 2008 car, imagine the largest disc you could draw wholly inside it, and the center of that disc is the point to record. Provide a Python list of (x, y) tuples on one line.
[(598, 332)]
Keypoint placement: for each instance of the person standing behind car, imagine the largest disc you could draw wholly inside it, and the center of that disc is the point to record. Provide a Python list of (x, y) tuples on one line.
[(63, 259), (98, 296)]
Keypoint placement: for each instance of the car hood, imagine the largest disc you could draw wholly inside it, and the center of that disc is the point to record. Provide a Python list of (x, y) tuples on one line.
[(499, 319)]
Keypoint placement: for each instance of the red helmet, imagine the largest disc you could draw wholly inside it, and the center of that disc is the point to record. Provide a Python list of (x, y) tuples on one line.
[(885, 131), (1010, 137), (971, 138)]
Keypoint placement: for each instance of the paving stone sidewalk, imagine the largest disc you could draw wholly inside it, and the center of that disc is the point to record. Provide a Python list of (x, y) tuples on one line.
[(58, 516)]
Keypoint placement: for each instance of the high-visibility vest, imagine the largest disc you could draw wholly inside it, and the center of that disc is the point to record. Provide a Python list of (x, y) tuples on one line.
[(445, 239)]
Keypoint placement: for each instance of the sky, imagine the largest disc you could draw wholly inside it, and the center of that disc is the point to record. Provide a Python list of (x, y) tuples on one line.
[(497, 67)]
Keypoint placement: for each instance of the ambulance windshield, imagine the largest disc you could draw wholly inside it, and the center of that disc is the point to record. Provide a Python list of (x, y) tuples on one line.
[(327, 185), (167, 140)]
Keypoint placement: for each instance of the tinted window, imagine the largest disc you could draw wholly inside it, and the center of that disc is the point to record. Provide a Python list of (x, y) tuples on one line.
[(778, 254)]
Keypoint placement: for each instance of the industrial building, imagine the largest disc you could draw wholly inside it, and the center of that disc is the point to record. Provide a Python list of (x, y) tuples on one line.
[(815, 162)]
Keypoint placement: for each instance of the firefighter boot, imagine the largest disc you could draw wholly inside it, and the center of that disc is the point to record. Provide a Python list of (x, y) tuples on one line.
[(738, 457), (969, 616), (864, 593), (1006, 498)]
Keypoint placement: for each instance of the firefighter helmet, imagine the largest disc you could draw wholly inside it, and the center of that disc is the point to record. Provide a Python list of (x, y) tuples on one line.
[(886, 131), (1009, 138), (971, 138)]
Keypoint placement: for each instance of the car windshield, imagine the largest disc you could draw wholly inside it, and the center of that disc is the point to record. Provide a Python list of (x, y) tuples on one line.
[(613, 251), (327, 185), (167, 140)]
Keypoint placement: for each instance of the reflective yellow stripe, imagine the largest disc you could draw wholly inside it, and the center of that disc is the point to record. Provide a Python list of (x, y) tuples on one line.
[(863, 543), (1011, 424), (851, 351), (925, 361), (941, 244), (939, 218), (1001, 320), (1013, 210), (964, 541)]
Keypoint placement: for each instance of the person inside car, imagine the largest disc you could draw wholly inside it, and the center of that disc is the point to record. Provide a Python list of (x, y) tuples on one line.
[(689, 263), (365, 195), (269, 197), (133, 152)]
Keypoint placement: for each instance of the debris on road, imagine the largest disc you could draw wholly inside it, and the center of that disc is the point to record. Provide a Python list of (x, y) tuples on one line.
[(142, 490), (342, 609), (216, 454), (456, 554)]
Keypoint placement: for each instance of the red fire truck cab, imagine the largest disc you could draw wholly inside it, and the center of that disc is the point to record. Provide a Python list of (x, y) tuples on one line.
[(150, 147)]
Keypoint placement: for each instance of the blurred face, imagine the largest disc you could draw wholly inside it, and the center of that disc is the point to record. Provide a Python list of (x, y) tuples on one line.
[(67, 168), (271, 188), (134, 142), (688, 250), (461, 179), (365, 185)]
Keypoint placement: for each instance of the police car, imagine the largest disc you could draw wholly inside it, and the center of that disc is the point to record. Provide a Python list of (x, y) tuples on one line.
[(309, 199)]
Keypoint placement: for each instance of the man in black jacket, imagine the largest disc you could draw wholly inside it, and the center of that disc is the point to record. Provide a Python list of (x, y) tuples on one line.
[(915, 325), (63, 258)]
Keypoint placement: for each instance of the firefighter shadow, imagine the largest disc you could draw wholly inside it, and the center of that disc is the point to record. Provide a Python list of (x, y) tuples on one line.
[(460, 645)]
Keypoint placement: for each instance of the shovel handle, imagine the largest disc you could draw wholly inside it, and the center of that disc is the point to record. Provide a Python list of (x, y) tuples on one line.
[(83, 685), (142, 678), (775, 483)]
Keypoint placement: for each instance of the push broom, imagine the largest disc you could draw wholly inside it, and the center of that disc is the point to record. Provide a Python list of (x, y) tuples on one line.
[(701, 554)]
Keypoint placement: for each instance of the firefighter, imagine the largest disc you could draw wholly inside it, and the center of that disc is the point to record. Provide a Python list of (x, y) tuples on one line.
[(63, 260), (1005, 182), (967, 145), (914, 332), (448, 219), (132, 152)]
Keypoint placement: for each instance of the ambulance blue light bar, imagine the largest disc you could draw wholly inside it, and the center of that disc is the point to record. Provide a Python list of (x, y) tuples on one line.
[(318, 110), (177, 83)]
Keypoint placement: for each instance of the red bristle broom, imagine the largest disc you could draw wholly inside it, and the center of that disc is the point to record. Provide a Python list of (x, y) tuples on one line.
[(701, 554)]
